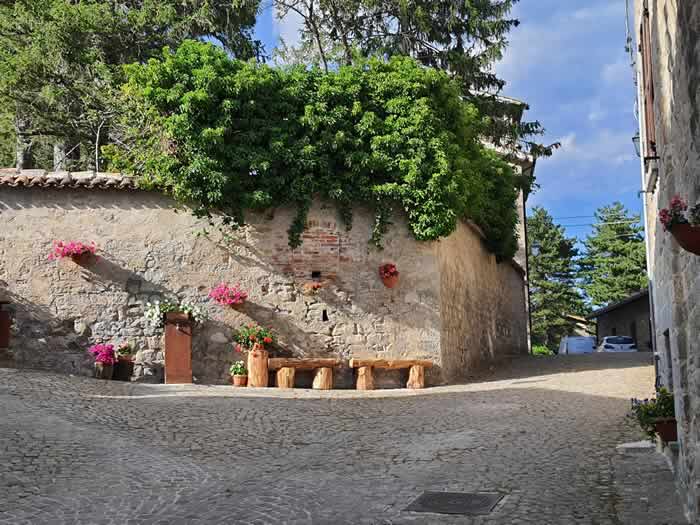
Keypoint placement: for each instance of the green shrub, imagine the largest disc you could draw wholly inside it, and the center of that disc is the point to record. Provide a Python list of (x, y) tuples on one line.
[(225, 136), (647, 411), (540, 350)]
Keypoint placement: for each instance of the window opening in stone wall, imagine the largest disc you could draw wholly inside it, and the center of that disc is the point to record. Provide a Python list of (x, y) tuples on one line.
[(316, 274), (669, 361), (324, 316)]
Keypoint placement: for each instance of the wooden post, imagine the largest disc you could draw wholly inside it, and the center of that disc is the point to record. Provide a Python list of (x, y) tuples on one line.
[(365, 380), (178, 348), (416, 377), (257, 367), (323, 380), (285, 377)]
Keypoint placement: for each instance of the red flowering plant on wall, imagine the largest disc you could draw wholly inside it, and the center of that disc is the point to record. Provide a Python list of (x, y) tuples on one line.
[(227, 295), (252, 334), (675, 214), (104, 354), (388, 270), (72, 249)]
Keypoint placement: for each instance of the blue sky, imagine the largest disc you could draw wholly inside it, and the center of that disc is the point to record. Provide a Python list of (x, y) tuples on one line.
[(567, 60)]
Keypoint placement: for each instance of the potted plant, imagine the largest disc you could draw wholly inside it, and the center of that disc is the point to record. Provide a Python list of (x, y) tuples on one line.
[(684, 224), (105, 359), (157, 312), (124, 367), (231, 296), (79, 253), (254, 338), (239, 373), (311, 288), (389, 274), (657, 416)]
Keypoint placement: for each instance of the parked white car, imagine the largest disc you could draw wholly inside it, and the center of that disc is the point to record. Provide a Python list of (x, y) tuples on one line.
[(617, 343), (577, 345)]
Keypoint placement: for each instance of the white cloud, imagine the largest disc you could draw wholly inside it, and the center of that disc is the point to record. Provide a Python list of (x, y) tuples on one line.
[(288, 27), (596, 113), (605, 147), (617, 72)]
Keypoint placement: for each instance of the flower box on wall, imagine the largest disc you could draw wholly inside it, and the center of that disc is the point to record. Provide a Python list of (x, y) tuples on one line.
[(687, 236)]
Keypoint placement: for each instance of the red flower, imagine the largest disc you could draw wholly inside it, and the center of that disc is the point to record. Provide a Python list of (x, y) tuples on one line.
[(267, 340), (252, 337)]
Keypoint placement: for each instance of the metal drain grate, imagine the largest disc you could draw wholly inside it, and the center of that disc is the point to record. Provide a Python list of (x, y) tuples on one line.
[(455, 503)]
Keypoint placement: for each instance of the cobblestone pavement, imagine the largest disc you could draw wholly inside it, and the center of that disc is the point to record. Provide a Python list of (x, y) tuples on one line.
[(543, 432)]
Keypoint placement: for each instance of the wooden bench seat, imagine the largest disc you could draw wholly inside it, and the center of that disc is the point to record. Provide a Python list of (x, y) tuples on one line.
[(286, 370), (365, 378)]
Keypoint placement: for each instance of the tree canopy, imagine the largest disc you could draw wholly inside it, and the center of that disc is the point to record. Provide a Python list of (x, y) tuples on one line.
[(614, 265), (227, 135), (554, 293), (463, 38), (60, 61)]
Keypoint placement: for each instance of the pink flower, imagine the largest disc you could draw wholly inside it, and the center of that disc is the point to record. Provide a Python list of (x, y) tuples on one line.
[(227, 295), (103, 354), (62, 249)]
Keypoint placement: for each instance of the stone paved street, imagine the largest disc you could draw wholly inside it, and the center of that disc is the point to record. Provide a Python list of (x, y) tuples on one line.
[(543, 432)]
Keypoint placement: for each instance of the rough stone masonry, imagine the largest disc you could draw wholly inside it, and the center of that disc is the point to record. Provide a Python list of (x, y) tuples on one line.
[(455, 304)]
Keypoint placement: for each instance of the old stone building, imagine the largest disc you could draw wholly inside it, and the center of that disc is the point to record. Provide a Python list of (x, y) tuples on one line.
[(629, 317), (668, 73), (455, 304)]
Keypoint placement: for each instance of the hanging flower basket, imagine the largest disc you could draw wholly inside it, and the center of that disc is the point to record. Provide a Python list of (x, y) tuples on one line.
[(666, 428), (683, 223), (389, 275), (687, 236), (80, 253), (230, 296)]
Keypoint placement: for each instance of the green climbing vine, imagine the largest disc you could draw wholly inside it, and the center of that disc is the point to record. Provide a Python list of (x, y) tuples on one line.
[(225, 136)]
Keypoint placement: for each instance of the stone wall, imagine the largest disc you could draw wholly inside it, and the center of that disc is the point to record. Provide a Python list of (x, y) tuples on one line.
[(454, 304), (675, 273)]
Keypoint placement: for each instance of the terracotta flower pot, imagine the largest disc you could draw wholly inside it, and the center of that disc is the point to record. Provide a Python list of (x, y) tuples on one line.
[(5, 324), (667, 429), (390, 281), (83, 259), (103, 371), (687, 236), (124, 368), (240, 380)]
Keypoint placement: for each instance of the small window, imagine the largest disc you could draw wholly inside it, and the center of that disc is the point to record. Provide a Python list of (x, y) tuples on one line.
[(316, 274)]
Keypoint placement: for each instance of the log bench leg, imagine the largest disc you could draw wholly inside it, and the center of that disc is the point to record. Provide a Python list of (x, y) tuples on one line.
[(285, 377), (365, 379), (323, 380), (416, 377)]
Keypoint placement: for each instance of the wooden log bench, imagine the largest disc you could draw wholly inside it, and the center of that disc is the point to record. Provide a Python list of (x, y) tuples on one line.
[(365, 378), (286, 370)]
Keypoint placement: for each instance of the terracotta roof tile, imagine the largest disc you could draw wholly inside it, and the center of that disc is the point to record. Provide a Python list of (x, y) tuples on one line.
[(66, 179)]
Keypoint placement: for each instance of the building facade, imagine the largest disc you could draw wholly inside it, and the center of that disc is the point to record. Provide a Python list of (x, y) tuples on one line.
[(455, 304), (630, 317), (668, 79)]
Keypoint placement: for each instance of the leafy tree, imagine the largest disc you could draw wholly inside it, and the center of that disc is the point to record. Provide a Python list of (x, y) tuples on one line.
[(60, 60), (227, 135), (464, 38), (614, 265), (553, 287)]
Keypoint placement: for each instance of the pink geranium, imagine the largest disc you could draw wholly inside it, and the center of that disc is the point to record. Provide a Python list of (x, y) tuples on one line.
[(104, 354), (675, 214), (227, 295), (63, 249), (388, 270)]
